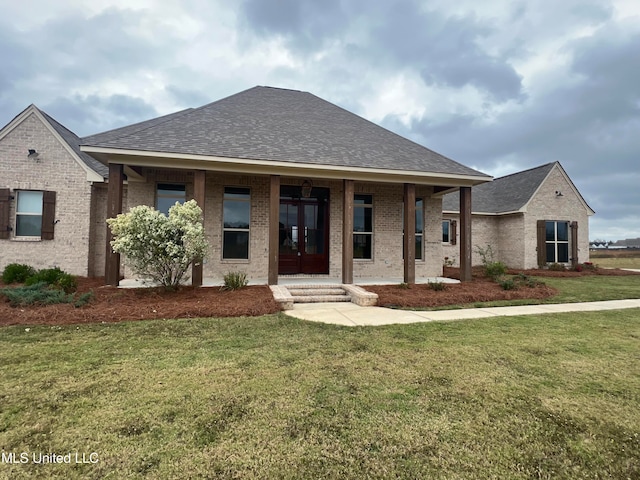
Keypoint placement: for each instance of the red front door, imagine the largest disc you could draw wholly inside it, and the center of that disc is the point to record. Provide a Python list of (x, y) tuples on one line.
[(304, 231)]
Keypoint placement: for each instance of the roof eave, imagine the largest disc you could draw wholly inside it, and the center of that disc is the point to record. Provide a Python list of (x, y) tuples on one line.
[(271, 167)]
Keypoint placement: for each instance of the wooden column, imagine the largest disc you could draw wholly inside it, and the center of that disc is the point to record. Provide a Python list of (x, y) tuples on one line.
[(409, 233), (114, 207), (347, 232), (465, 234), (199, 195), (274, 227)]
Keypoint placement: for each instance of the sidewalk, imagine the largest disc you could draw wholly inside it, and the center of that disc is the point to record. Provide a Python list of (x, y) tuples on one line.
[(350, 314)]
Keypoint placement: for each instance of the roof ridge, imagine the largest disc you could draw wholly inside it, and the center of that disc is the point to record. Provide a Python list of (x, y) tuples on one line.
[(539, 167)]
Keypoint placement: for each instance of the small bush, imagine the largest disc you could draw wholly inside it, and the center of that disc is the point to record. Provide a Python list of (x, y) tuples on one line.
[(437, 286), (54, 277), (404, 286), (16, 273), (557, 267), (578, 268), (495, 270), (35, 294), (83, 299), (235, 281), (508, 284)]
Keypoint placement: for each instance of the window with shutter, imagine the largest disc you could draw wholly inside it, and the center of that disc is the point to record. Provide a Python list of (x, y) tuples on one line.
[(5, 224)]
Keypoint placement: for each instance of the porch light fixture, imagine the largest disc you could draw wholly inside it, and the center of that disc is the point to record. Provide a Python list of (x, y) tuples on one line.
[(33, 155), (306, 188), (559, 193)]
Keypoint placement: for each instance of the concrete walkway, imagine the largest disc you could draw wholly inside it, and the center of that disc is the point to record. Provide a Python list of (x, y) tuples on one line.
[(352, 315)]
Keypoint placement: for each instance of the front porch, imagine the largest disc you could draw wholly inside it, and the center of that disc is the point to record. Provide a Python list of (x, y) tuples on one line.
[(345, 231)]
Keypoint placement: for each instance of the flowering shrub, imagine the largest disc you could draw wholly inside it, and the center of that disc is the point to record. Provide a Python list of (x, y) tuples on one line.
[(160, 247)]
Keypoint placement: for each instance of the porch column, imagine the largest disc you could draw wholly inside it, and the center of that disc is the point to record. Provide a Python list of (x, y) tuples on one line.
[(465, 234), (114, 207), (347, 231), (274, 227), (409, 233), (199, 195)]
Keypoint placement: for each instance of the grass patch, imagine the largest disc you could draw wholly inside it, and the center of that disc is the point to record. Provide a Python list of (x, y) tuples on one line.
[(273, 397), (616, 258)]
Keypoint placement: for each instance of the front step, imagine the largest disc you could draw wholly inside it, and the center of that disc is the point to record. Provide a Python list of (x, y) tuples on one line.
[(318, 293), (287, 296)]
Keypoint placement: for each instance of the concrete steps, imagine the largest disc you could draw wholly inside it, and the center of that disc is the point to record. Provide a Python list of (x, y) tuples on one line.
[(286, 296), (318, 293)]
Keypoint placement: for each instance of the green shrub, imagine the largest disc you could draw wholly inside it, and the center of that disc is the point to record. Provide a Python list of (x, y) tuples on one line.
[(557, 267), (16, 273), (404, 286), (495, 270), (83, 299), (508, 284), (35, 294), (235, 281), (54, 277), (437, 286), (492, 268)]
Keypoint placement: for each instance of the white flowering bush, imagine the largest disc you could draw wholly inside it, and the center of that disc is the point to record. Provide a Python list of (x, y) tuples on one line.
[(159, 247)]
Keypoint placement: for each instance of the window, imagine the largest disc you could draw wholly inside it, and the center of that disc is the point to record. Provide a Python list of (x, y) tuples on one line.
[(557, 242), (446, 231), (29, 214), (167, 196), (235, 223), (419, 227), (363, 226)]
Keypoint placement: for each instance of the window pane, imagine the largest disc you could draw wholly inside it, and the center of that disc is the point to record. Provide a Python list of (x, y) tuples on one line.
[(563, 253), (236, 192), (563, 232), (362, 219), (174, 190), (165, 203), (418, 247), (236, 214), (551, 252), (28, 225), (363, 199), (235, 245), (419, 216), (29, 202), (551, 231), (445, 231), (362, 246)]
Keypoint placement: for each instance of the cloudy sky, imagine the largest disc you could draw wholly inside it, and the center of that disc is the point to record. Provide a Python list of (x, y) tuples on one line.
[(499, 85)]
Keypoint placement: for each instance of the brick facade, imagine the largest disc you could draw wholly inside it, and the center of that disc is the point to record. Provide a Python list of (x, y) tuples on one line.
[(55, 170), (513, 237)]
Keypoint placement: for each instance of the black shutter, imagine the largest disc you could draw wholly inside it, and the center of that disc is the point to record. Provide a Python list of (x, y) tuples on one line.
[(574, 243), (453, 232), (5, 225), (542, 246), (48, 215)]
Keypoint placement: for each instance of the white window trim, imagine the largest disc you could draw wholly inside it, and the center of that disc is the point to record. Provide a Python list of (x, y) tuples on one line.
[(557, 242), (27, 238), (365, 205)]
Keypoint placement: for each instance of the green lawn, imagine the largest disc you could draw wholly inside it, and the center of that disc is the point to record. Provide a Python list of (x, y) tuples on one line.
[(618, 262), (554, 396)]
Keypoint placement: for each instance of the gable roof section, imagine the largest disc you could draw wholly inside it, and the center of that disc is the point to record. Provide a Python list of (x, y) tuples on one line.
[(283, 126), (96, 171), (507, 194)]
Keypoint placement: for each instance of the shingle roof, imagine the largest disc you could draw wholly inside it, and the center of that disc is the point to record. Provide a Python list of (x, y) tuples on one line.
[(265, 123), (505, 194), (74, 142)]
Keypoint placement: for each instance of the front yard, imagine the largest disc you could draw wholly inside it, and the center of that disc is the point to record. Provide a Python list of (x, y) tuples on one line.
[(553, 396)]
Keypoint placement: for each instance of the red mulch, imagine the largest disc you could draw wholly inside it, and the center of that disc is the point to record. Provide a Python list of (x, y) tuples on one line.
[(111, 304)]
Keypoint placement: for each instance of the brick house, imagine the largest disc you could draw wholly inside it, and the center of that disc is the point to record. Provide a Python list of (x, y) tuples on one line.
[(290, 185), (530, 218)]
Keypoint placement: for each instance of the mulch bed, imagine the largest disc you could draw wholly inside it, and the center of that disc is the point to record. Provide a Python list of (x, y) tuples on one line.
[(111, 304)]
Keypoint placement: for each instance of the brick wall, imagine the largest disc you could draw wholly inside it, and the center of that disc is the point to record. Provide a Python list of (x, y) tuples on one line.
[(387, 259), (56, 170)]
